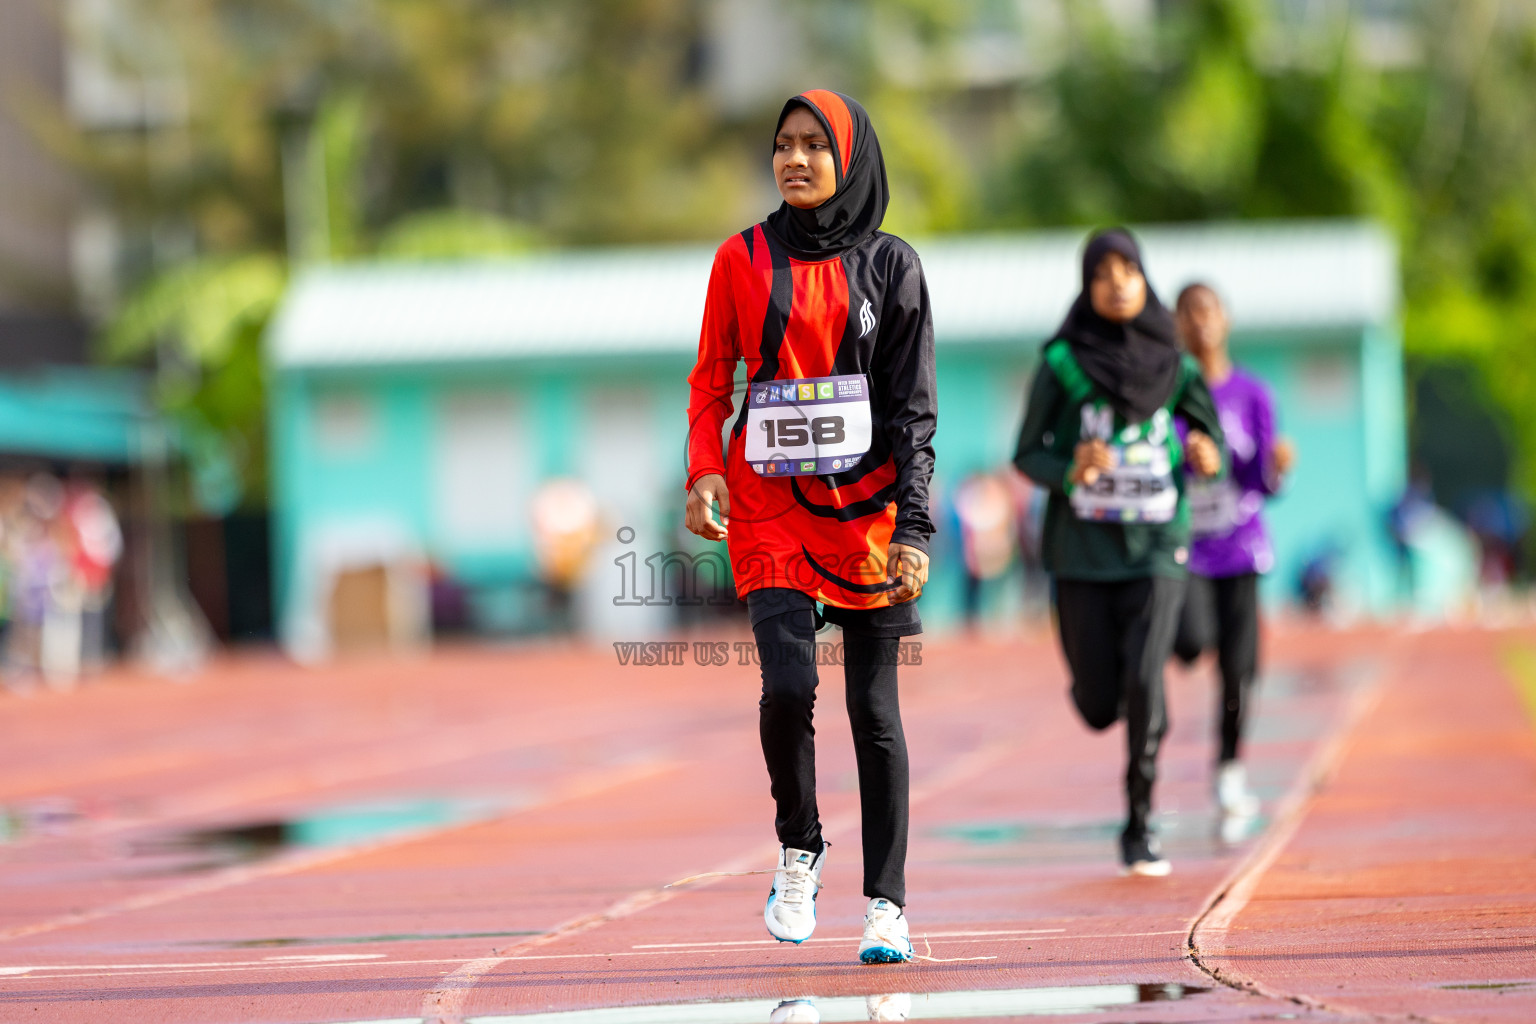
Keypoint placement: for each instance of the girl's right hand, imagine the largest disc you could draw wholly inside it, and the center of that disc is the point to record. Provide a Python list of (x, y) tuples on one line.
[(700, 517), (1089, 459)]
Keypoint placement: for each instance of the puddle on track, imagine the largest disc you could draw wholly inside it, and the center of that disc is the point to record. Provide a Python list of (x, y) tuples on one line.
[(982, 1004), (207, 849), (1198, 833)]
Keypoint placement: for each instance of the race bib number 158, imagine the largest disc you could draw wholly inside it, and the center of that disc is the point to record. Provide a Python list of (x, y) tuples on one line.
[(807, 427)]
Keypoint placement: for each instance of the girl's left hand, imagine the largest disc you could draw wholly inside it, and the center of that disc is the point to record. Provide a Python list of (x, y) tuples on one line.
[(1202, 453), (907, 567), (1283, 455)]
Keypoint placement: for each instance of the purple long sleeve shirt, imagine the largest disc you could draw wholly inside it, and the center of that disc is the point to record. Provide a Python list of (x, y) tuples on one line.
[(1229, 534)]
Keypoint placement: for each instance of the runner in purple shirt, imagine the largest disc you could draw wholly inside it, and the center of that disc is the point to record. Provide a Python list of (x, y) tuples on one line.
[(1231, 547)]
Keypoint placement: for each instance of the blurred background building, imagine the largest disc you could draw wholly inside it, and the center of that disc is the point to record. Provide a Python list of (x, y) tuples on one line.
[(418, 410), (430, 194)]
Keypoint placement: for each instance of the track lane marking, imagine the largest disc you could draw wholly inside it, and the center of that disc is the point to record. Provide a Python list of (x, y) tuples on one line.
[(841, 938), (445, 1004), (1206, 935), (125, 971)]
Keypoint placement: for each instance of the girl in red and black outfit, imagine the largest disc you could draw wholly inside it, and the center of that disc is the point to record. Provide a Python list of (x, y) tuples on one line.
[(818, 291)]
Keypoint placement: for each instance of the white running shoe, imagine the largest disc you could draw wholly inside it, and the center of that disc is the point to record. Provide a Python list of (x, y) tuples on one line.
[(1232, 794), (791, 911), (892, 1006), (795, 1011), (885, 934)]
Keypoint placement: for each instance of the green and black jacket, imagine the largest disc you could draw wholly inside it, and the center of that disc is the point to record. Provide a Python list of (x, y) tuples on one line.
[(1102, 551)]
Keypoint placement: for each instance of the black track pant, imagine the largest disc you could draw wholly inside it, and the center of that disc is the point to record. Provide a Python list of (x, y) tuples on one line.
[(786, 644), (1117, 637), (1223, 614)]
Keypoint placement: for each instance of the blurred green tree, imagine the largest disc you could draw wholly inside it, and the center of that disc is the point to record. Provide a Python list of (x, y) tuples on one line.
[(1190, 119), (309, 130), (1214, 113), (315, 130)]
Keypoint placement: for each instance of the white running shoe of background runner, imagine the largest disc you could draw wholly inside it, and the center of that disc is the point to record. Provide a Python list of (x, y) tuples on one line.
[(891, 1006), (795, 1011), (791, 910), (885, 934), (1232, 794)]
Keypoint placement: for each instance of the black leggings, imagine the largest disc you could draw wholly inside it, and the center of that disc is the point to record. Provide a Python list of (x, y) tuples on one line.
[(1223, 614), (786, 644), (1116, 637)]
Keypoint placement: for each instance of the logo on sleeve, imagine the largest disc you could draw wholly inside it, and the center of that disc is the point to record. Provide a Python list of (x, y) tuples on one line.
[(866, 318)]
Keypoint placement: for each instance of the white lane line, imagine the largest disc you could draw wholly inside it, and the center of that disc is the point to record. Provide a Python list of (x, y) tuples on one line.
[(445, 1004), (1206, 939), (319, 958), (55, 972), (843, 938), (583, 785)]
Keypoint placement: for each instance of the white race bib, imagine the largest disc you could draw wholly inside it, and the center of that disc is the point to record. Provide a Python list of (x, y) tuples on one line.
[(1139, 489), (809, 427), (1213, 506)]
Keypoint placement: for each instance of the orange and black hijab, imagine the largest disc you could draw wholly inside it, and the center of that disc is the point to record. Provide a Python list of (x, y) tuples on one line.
[(856, 210)]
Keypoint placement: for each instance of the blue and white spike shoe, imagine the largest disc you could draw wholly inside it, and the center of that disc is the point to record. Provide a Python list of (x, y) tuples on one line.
[(791, 911), (885, 934)]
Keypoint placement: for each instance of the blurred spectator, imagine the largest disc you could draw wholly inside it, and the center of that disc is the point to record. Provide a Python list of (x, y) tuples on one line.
[(564, 532), (1499, 520), (449, 601), (986, 509), (98, 545), (1406, 521), (58, 550), (1314, 585), (1030, 502)]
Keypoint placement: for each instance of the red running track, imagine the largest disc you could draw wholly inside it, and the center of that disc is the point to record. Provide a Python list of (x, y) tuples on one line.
[(485, 834)]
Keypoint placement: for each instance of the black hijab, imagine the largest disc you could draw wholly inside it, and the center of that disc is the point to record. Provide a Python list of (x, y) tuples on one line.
[(855, 210), (1135, 364)]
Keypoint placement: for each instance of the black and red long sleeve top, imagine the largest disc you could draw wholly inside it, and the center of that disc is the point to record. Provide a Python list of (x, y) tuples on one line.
[(862, 311)]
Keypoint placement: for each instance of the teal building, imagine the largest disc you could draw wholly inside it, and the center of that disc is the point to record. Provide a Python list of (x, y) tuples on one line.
[(76, 415), (416, 409)]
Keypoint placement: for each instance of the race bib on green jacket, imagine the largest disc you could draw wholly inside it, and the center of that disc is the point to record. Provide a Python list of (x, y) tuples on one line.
[(1140, 488)]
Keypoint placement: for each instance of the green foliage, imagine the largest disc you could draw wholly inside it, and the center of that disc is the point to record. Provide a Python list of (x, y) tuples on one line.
[(1204, 121), (434, 129), (204, 321), (206, 305), (1194, 125), (454, 234), (323, 130)]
